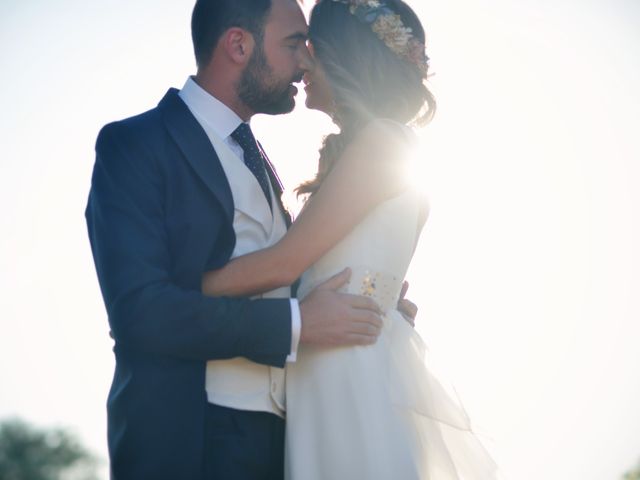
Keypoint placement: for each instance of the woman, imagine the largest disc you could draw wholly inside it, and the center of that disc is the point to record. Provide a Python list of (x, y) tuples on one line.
[(370, 412)]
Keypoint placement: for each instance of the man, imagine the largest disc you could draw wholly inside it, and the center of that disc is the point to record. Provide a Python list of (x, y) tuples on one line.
[(198, 390)]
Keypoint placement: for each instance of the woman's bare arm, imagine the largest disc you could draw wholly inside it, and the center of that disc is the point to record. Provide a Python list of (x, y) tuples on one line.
[(370, 171)]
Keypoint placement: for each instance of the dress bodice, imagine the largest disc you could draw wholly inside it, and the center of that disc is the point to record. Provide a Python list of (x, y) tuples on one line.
[(376, 411), (378, 250)]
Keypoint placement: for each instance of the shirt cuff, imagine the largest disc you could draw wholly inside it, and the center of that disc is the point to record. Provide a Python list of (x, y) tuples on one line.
[(296, 327)]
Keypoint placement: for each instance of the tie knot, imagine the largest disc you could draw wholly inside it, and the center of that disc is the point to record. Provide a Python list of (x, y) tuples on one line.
[(244, 136)]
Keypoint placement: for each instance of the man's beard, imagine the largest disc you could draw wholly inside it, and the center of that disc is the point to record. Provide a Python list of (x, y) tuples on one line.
[(261, 91)]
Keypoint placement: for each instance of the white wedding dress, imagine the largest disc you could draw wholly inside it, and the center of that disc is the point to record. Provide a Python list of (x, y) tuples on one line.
[(376, 412)]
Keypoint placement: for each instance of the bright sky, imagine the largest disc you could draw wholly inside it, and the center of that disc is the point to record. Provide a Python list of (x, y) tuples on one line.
[(527, 274)]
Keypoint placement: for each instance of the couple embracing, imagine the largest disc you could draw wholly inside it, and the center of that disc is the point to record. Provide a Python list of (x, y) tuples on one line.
[(196, 257)]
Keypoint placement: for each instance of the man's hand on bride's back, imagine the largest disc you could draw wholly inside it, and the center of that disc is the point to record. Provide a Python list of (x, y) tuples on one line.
[(331, 318)]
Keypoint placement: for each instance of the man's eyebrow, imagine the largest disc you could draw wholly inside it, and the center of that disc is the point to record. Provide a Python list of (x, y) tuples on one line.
[(297, 36)]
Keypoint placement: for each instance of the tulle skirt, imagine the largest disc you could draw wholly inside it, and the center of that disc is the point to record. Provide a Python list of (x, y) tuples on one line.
[(377, 413)]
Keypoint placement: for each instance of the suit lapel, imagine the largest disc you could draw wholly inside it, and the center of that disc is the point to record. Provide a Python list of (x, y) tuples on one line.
[(196, 147)]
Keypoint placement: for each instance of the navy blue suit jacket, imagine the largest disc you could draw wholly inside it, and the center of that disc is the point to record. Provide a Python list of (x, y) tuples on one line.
[(160, 213)]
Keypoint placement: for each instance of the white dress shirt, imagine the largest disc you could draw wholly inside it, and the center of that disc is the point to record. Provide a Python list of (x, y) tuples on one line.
[(214, 115)]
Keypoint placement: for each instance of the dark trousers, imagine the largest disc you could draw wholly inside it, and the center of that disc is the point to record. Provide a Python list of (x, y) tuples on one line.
[(243, 445)]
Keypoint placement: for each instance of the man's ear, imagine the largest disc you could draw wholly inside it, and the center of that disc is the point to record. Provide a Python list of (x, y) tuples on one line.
[(238, 45)]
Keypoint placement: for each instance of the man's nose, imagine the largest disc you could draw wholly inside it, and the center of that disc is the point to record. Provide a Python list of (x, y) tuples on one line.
[(306, 61)]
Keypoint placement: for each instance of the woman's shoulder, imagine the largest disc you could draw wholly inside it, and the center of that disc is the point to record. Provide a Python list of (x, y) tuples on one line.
[(386, 139), (381, 130)]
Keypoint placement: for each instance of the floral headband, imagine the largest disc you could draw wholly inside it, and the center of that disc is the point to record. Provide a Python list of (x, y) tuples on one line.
[(388, 26)]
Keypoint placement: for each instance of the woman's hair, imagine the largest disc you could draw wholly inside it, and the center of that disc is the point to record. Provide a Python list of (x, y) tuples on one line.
[(368, 80)]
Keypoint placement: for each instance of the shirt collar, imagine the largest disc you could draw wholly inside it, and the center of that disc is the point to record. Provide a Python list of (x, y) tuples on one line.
[(220, 118)]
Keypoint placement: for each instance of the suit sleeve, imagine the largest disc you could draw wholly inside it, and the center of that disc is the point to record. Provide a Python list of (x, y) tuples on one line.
[(147, 311)]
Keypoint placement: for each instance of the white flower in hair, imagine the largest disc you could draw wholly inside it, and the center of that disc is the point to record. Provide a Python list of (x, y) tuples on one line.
[(392, 31)]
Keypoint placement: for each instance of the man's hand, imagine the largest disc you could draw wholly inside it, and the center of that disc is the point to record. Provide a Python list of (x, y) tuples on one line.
[(407, 308), (330, 318)]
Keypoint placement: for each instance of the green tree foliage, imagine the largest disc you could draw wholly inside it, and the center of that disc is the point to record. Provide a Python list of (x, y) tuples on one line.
[(633, 474), (29, 453)]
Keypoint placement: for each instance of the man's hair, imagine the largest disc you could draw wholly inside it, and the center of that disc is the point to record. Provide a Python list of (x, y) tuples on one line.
[(211, 18)]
